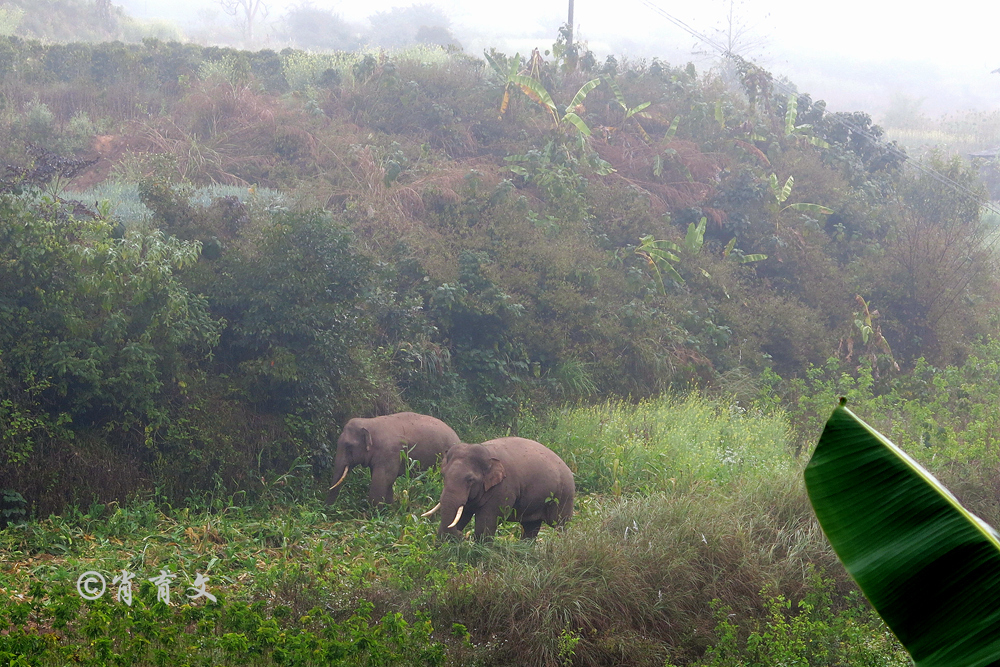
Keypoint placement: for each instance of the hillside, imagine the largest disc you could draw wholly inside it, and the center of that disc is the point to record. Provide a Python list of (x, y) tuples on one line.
[(210, 259), (436, 231)]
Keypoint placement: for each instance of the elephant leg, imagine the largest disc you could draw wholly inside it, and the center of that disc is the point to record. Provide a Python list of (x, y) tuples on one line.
[(530, 529), (380, 490)]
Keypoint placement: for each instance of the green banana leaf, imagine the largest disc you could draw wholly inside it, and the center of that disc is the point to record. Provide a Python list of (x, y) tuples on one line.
[(791, 113), (929, 567), (815, 209), (578, 122), (672, 130)]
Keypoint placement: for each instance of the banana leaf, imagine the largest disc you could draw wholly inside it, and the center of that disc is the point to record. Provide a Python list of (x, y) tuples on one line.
[(815, 209), (672, 130), (578, 123), (929, 567), (791, 113)]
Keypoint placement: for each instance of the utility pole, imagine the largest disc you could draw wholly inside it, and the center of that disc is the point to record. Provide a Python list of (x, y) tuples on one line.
[(569, 22)]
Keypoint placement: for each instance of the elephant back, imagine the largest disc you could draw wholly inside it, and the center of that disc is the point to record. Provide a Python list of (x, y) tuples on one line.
[(540, 469)]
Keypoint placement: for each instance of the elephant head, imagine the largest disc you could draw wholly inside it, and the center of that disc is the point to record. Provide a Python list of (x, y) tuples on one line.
[(353, 449), (469, 472)]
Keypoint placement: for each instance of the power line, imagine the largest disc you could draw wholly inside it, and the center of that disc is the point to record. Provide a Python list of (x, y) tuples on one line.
[(836, 118)]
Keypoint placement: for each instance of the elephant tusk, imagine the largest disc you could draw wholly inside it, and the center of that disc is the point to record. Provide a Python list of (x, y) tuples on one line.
[(342, 477), (432, 510), (458, 515)]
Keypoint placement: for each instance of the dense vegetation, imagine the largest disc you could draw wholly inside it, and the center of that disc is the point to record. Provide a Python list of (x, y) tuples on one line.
[(212, 258)]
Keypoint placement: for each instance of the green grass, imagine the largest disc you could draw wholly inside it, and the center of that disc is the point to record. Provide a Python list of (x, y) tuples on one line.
[(659, 444), (638, 577)]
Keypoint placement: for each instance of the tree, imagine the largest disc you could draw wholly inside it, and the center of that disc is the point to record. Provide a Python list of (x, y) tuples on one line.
[(399, 25), (312, 28), (736, 34), (936, 273), (246, 13)]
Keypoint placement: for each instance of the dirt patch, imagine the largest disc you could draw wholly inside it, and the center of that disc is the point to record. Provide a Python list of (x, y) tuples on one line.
[(107, 149)]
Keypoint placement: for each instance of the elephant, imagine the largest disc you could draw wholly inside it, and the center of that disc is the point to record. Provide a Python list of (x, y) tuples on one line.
[(378, 444), (512, 478)]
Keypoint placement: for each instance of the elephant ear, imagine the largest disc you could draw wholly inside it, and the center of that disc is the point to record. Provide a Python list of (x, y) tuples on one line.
[(368, 439), (494, 475)]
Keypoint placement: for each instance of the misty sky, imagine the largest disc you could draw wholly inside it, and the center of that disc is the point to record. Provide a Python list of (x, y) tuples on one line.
[(855, 54)]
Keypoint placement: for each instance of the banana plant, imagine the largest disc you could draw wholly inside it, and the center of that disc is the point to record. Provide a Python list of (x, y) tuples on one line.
[(930, 568), (633, 111), (534, 89), (661, 255), (740, 256), (577, 105), (782, 192), (799, 132), (507, 71), (672, 130)]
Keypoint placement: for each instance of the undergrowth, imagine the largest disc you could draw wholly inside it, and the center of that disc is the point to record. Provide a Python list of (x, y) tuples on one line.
[(692, 572)]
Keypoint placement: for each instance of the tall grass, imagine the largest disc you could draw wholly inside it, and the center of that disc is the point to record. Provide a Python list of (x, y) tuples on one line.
[(667, 442), (636, 579), (685, 505)]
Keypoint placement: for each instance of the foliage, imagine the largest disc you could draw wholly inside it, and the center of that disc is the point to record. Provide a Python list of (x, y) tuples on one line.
[(97, 326), (889, 547), (313, 28), (399, 26), (631, 579), (486, 268), (811, 632)]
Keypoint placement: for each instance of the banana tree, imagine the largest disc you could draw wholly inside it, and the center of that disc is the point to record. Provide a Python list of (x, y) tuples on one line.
[(799, 132), (661, 255), (534, 89), (781, 194), (929, 566), (632, 111), (507, 69), (741, 257)]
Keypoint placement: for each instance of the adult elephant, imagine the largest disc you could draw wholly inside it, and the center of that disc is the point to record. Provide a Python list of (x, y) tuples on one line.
[(379, 444), (515, 479)]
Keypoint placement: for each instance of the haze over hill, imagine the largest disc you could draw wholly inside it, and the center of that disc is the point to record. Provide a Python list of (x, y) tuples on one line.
[(857, 56)]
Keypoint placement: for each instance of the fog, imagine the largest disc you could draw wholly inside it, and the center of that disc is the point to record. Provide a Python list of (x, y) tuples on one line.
[(855, 55)]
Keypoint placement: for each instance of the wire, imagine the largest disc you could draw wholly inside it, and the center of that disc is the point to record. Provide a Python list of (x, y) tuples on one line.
[(836, 118)]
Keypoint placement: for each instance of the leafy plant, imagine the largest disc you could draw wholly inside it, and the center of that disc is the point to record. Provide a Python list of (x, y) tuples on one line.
[(929, 566), (637, 111), (781, 194), (801, 132), (661, 255)]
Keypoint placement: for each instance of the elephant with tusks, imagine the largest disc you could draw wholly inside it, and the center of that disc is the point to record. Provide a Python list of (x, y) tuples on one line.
[(379, 444), (512, 478)]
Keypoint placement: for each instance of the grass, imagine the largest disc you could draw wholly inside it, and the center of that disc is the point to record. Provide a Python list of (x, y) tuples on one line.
[(126, 206), (659, 444), (637, 578)]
